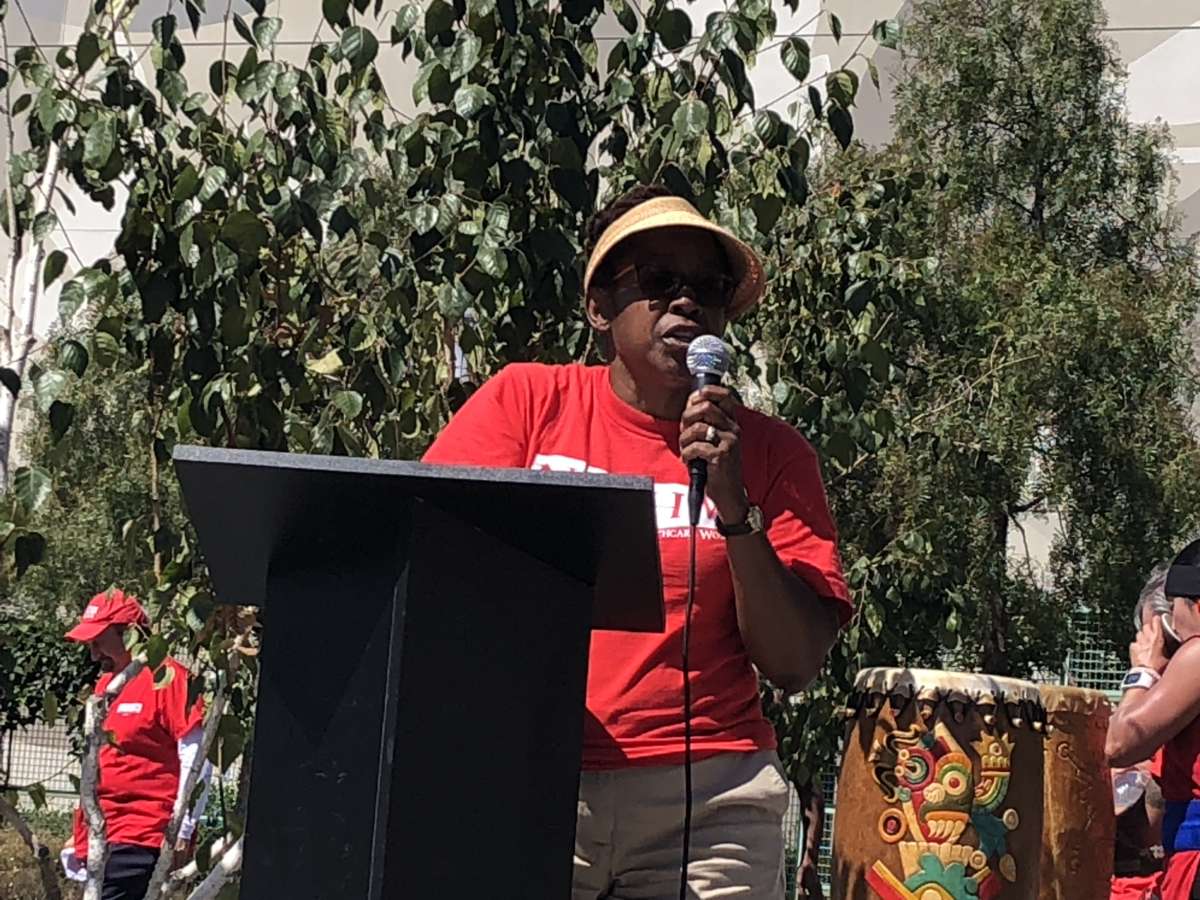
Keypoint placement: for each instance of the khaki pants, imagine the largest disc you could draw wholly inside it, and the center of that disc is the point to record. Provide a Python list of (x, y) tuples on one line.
[(629, 831)]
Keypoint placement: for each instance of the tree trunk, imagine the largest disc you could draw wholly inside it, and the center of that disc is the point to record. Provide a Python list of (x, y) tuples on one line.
[(995, 640), (94, 716), (162, 868), (20, 334)]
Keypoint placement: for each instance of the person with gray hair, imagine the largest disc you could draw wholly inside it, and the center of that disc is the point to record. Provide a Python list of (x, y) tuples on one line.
[(1153, 597), (1160, 709), (1137, 848)]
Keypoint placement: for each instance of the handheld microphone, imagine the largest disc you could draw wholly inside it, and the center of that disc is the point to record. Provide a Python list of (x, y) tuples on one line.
[(708, 361)]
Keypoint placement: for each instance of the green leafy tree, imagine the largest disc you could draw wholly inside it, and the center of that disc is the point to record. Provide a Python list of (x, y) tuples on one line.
[(1039, 362)]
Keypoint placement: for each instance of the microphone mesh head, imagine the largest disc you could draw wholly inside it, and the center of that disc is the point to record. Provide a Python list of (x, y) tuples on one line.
[(708, 355)]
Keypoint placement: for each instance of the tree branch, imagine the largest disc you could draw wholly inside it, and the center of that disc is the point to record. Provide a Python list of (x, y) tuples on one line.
[(183, 801), (42, 853), (227, 866), (181, 876), (94, 716)]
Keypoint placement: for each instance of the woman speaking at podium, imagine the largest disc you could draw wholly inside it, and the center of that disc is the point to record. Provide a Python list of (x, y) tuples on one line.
[(769, 592)]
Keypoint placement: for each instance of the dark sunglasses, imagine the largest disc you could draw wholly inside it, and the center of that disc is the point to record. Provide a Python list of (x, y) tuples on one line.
[(658, 283)]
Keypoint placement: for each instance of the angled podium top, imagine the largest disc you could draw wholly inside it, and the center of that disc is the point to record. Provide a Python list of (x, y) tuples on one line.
[(247, 506)]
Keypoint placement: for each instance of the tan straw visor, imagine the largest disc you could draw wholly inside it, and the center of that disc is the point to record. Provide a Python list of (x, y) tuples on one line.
[(675, 212)]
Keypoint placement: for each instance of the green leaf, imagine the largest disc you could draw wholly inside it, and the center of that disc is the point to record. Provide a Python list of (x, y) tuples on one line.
[(164, 30), (874, 70), (37, 795), (220, 76), (105, 349), (266, 30), (43, 224), (406, 20), (470, 100), (842, 86), (61, 417), (48, 384), (335, 11), (99, 142), (244, 232), (53, 109), (424, 218), (243, 29), (31, 486), (359, 46), (797, 58), (214, 180), (87, 51), (173, 86), (439, 19), (156, 651), (55, 262), (10, 380), (73, 356), (835, 25), (887, 33), (625, 15), (766, 212), (841, 124), (50, 709), (349, 403), (691, 119), (200, 607), (465, 54), (675, 28), (70, 299), (329, 364)]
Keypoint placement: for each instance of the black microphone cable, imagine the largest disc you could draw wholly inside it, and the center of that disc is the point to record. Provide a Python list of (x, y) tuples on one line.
[(687, 715)]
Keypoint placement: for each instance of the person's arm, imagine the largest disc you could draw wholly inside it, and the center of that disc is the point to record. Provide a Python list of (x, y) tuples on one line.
[(813, 809), (786, 625), (189, 747), (1147, 718)]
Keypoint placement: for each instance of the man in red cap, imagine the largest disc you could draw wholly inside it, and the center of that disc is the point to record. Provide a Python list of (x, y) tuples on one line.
[(155, 740)]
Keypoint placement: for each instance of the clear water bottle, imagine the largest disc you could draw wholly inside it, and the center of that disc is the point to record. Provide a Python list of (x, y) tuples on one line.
[(1128, 787)]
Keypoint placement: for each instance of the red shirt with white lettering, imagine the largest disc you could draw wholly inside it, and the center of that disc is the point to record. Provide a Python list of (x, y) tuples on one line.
[(139, 776), (567, 418)]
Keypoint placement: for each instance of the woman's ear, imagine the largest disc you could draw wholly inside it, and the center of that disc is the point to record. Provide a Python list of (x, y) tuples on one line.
[(599, 310)]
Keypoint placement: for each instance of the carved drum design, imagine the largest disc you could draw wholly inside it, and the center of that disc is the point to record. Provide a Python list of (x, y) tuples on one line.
[(940, 792), (1079, 821)]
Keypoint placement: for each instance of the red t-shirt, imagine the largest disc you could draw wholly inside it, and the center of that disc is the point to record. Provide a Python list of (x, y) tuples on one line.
[(139, 777), (567, 418)]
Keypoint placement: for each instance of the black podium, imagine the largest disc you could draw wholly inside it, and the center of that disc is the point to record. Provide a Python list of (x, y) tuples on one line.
[(424, 663)]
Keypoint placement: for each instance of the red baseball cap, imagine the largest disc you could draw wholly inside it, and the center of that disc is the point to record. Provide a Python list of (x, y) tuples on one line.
[(113, 607)]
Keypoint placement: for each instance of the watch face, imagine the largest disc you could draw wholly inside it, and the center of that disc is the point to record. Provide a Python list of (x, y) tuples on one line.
[(754, 518)]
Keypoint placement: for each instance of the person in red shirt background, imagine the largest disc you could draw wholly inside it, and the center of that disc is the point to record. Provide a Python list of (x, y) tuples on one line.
[(156, 737), (1160, 707), (770, 592)]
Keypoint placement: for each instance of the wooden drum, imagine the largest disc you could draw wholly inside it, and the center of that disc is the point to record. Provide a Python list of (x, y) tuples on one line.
[(1079, 820), (940, 793)]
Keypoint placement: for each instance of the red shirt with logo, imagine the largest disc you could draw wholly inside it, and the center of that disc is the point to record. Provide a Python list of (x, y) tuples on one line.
[(139, 776), (567, 418)]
